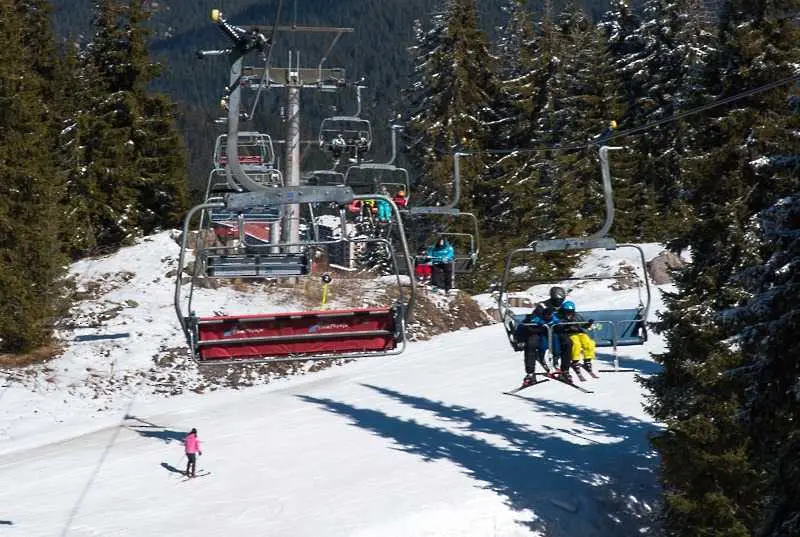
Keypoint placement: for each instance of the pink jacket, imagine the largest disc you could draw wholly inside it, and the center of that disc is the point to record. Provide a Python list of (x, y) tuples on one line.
[(191, 443)]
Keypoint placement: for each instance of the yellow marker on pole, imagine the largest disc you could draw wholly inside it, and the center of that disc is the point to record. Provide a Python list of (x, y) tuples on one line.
[(326, 279), (215, 15)]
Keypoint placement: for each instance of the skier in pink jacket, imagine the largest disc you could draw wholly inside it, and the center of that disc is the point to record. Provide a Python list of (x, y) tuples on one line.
[(192, 448)]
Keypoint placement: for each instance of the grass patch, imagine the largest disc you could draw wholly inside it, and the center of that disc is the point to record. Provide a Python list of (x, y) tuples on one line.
[(40, 355)]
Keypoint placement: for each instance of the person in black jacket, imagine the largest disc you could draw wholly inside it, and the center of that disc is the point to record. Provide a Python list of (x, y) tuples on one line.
[(561, 344)]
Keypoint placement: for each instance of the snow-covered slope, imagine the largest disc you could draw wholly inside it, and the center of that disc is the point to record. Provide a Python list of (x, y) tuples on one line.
[(419, 444)]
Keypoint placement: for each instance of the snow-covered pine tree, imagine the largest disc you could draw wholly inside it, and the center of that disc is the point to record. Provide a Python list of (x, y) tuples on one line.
[(32, 187), (450, 102), (621, 26), (586, 97), (519, 212), (738, 168), (768, 323), (162, 185), (675, 43), (128, 177)]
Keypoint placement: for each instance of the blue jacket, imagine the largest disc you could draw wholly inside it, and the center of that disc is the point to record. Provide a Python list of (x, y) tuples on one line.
[(443, 254), (535, 318)]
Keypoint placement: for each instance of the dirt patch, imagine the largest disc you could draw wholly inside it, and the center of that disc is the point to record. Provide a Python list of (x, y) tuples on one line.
[(36, 356), (434, 316)]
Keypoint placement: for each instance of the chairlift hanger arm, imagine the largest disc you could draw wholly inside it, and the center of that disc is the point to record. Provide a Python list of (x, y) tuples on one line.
[(244, 39), (182, 258)]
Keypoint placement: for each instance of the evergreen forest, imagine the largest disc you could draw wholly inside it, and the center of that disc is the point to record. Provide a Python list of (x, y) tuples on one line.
[(106, 131)]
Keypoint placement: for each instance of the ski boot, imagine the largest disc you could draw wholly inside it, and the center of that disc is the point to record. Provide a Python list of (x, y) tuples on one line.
[(529, 379), (587, 365)]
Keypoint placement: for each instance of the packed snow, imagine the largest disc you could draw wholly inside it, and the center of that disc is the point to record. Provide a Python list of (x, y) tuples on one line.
[(424, 443)]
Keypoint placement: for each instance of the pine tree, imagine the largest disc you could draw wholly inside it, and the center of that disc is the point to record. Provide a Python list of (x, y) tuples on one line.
[(128, 177), (741, 164), (518, 199), (588, 98), (450, 100), (662, 73), (768, 322), (32, 289)]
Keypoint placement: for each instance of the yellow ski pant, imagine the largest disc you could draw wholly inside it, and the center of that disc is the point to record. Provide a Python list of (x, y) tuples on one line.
[(582, 344)]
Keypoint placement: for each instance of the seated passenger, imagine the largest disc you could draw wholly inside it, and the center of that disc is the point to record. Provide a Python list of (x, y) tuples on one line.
[(355, 207), (384, 209), (338, 145), (577, 328), (442, 256), (400, 199), (422, 268), (533, 331)]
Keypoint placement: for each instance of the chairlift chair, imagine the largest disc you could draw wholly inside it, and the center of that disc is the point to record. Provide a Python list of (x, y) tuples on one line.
[(459, 228), (368, 178), (255, 151), (345, 134), (324, 178), (611, 327), (256, 223), (276, 337)]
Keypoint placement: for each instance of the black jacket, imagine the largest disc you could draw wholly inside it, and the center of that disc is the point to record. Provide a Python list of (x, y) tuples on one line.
[(567, 328)]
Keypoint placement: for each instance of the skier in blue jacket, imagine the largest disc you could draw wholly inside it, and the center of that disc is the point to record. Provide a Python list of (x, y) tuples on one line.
[(536, 341), (442, 256)]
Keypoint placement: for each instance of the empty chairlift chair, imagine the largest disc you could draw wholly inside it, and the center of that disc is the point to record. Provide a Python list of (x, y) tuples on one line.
[(304, 335)]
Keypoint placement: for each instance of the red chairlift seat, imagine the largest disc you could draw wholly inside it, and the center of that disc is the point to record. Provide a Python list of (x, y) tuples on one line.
[(311, 334), (243, 159)]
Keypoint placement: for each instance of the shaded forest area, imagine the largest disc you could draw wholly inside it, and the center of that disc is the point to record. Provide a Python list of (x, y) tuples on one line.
[(376, 51)]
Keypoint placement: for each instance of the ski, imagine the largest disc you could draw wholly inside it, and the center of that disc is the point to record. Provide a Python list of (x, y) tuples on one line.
[(559, 379), (512, 392), (589, 370), (201, 474), (578, 373)]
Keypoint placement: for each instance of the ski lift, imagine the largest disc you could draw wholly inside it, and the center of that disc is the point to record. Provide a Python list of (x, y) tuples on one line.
[(324, 178), (275, 337), (370, 178), (611, 327), (254, 149), (345, 134), (219, 183), (460, 229)]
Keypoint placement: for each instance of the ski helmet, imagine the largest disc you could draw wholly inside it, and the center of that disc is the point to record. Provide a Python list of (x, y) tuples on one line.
[(557, 293), (569, 305)]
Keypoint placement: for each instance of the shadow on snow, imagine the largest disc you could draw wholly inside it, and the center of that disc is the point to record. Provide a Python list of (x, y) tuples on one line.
[(541, 471), (174, 470), (639, 365), (151, 430)]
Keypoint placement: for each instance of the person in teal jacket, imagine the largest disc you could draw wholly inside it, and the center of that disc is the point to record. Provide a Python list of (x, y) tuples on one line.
[(384, 209), (442, 256)]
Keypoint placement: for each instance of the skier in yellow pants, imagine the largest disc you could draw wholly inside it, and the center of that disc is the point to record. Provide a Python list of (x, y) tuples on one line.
[(580, 342)]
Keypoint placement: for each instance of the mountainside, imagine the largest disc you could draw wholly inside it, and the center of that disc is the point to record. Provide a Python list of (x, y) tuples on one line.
[(376, 51)]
